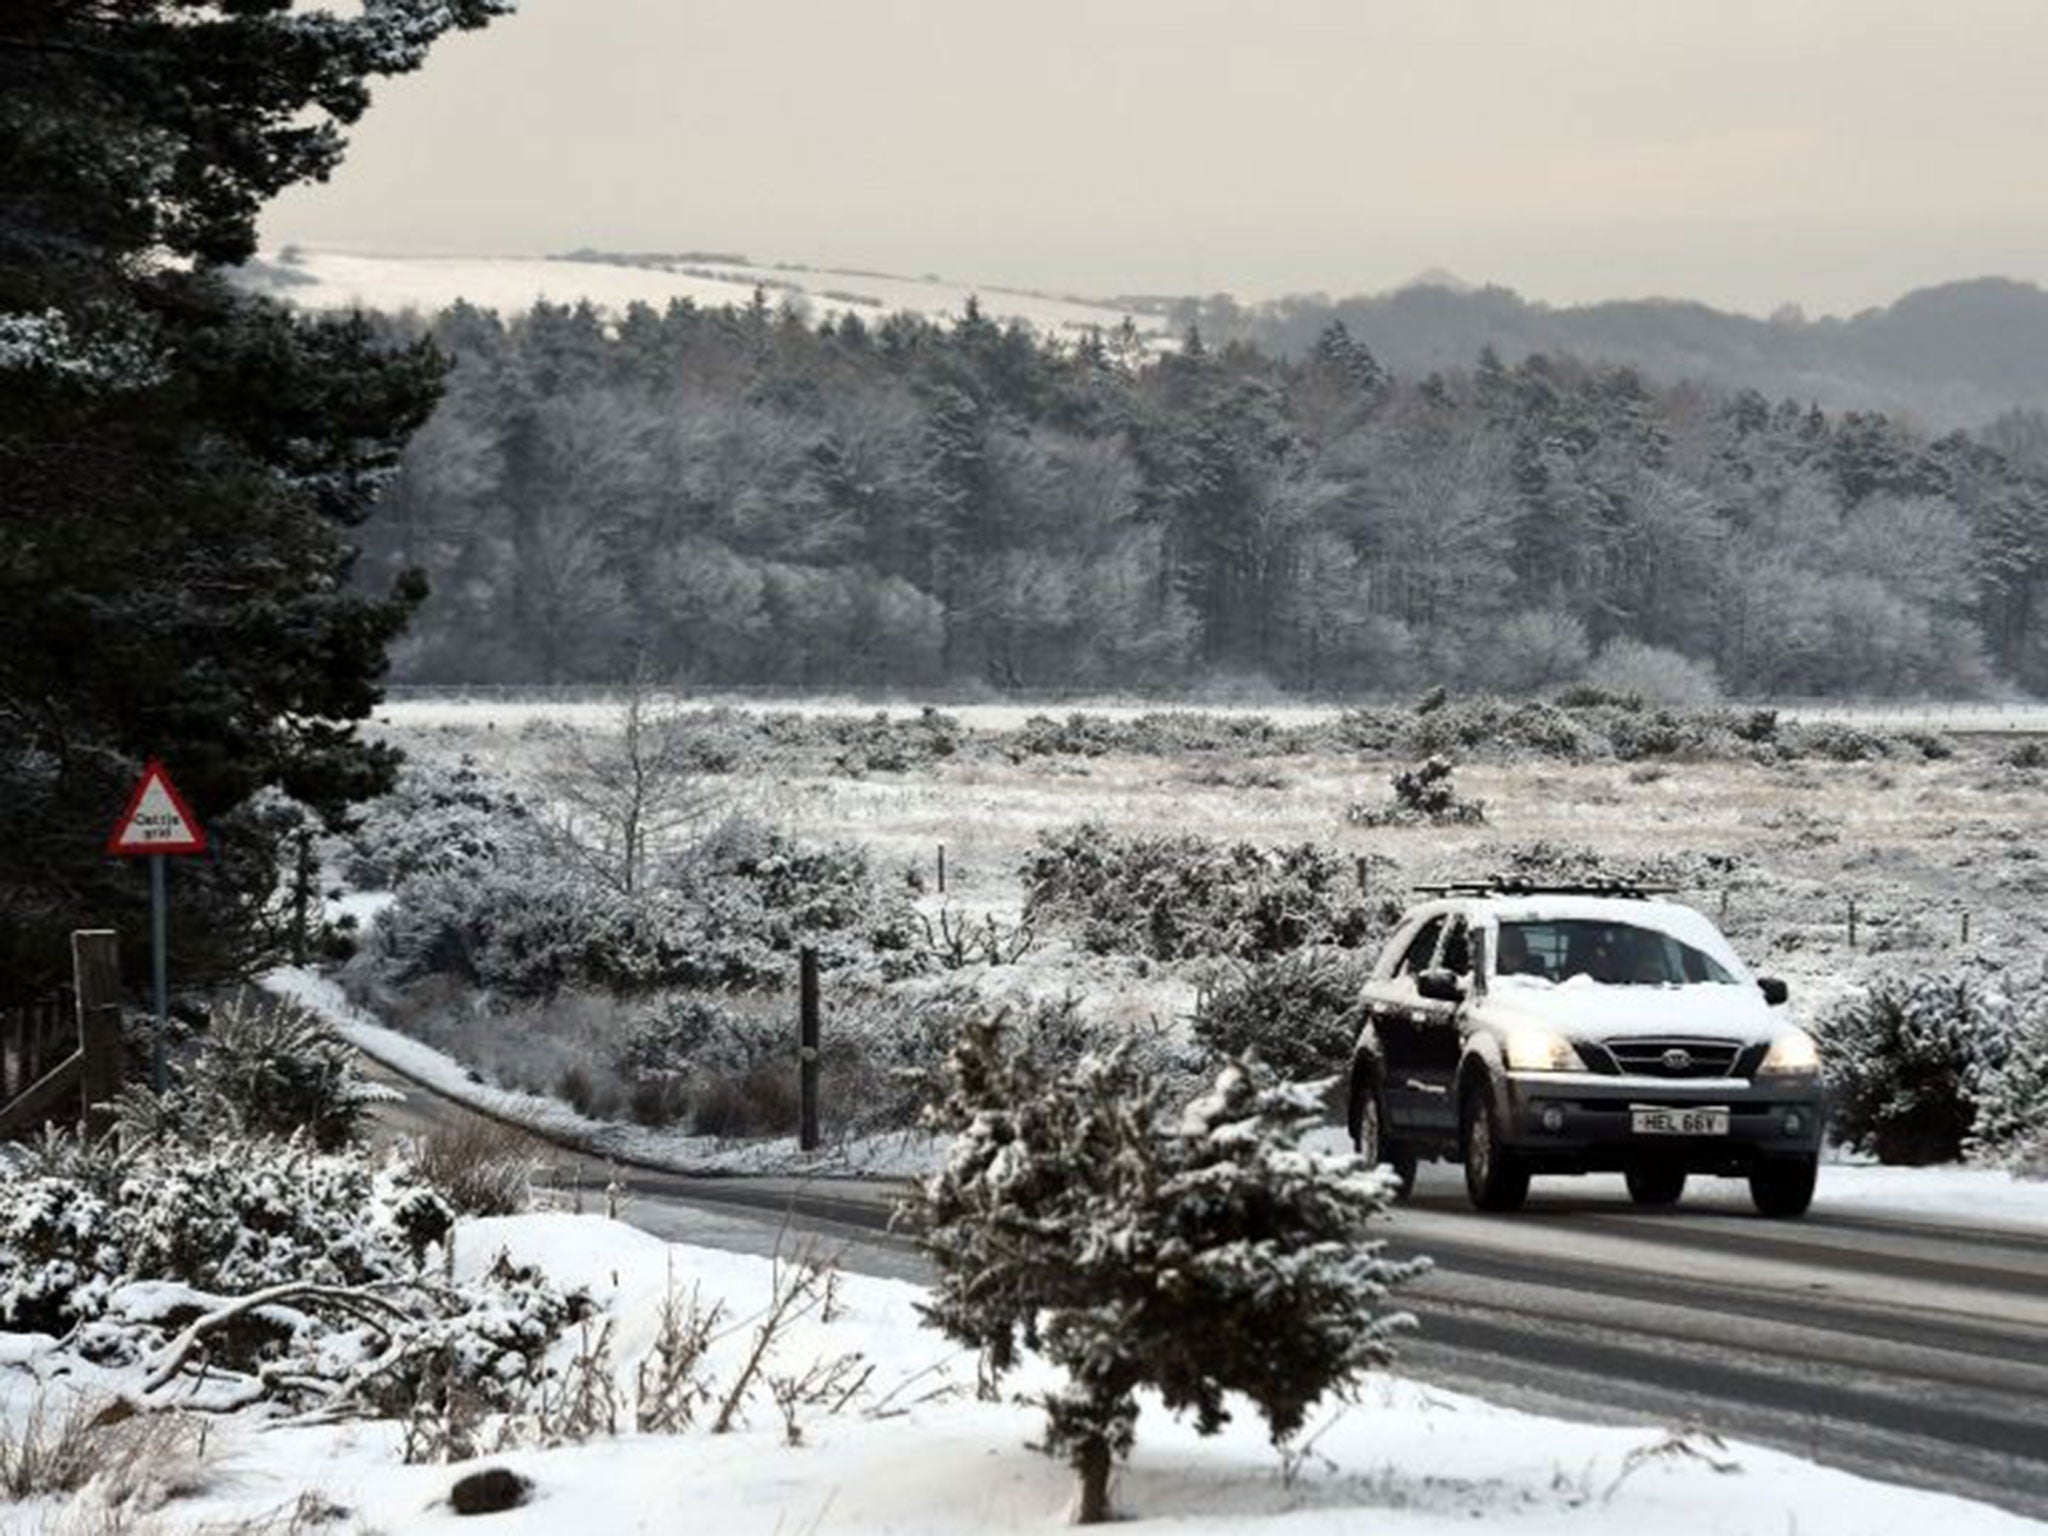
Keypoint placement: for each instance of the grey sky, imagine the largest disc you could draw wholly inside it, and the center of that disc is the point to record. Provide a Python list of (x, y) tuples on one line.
[(1744, 152)]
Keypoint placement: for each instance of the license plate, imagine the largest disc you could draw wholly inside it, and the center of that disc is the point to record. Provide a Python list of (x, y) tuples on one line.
[(1652, 1121)]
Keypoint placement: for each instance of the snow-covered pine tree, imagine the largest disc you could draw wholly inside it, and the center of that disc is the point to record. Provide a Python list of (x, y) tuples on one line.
[(1201, 1258)]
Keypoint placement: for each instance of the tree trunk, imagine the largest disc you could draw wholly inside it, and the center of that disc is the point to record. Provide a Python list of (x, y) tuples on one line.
[(1092, 1461)]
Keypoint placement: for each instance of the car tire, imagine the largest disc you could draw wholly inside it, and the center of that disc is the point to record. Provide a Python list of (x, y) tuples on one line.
[(1655, 1184), (1368, 1122), (1495, 1179), (1783, 1186)]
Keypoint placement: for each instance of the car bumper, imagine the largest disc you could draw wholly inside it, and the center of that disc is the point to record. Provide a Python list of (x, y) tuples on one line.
[(1582, 1122)]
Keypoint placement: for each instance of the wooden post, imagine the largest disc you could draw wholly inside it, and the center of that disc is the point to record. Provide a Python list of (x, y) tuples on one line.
[(1364, 876), (942, 869), (1966, 927), (807, 1049), (302, 896), (96, 977), (1852, 922), (1724, 906)]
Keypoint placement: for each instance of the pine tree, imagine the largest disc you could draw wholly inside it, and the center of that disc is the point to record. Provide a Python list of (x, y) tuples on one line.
[(1203, 1257), (182, 466)]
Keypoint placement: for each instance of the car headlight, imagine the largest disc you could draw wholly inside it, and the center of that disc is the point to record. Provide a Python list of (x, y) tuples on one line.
[(1792, 1054), (1530, 1049)]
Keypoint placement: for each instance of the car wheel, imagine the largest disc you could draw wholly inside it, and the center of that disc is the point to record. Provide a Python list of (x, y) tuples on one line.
[(1783, 1186), (1368, 1135), (1655, 1184), (1495, 1179)]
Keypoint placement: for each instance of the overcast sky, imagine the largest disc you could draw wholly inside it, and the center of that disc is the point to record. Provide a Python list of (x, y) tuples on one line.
[(1745, 152)]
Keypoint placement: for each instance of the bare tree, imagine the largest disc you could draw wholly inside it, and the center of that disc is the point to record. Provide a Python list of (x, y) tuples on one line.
[(617, 795)]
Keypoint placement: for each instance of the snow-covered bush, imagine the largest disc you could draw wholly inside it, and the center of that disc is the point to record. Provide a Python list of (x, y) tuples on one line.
[(1202, 1256), (729, 910), (1903, 1064), (1423, 796), (1299, 1013), (2011, 1092), (439, 817), (265, 1067), (1175, 898), (220, 1214)]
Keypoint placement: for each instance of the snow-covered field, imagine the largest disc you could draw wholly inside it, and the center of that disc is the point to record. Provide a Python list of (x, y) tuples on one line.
[(510, 284), (915, 1452), (589, 709)]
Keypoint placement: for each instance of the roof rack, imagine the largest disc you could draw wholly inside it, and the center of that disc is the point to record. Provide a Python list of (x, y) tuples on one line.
[(1522, 885)]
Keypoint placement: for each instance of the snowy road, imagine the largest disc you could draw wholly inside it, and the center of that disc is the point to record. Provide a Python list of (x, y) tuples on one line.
[(1901, 1348)]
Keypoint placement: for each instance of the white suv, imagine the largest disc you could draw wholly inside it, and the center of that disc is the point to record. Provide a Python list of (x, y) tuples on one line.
[(1523, 1029)]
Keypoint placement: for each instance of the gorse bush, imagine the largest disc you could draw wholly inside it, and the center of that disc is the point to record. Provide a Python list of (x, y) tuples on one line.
[(1297, 1013), (1175, 898), (1424, 795), (2011, 1090), (265, 1067), (222, 1215), (438, 817), (1203, 1253), (729, 910), (1906, 1062)]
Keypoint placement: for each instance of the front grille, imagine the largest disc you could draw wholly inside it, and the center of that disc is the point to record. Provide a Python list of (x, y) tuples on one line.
[(1674, 1056)]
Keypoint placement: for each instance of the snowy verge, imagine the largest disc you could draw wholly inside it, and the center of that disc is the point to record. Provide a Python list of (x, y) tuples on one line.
[(914, 1452), (887, 1156)]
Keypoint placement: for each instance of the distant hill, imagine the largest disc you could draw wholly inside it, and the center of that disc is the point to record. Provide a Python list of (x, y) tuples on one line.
[(318, 279), (1957, 354)]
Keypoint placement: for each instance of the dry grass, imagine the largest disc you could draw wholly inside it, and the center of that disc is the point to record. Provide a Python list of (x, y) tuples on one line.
[(484, 1168), (108, 1463)]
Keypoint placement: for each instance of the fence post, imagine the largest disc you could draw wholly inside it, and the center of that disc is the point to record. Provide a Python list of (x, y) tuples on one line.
[(1966, 927), (807, 1051), (96, 978), (1852, 922), (302, 895), (942, 869)]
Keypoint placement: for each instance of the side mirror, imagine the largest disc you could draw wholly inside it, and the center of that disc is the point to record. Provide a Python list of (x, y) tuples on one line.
[(1774, 990), (1440, 986)]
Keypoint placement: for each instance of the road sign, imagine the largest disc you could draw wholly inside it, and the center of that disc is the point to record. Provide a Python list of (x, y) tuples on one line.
[(157, 819), (157, 822)]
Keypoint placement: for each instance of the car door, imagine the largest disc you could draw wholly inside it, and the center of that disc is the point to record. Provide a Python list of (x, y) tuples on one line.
[(1397, 1015), (1437, 1038)]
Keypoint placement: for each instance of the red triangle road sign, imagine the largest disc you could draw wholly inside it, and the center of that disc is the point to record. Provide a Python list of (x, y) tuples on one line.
[(157, 819)]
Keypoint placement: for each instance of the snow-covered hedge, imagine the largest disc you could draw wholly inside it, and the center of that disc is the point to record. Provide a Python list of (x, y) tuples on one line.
[(1174, 898)]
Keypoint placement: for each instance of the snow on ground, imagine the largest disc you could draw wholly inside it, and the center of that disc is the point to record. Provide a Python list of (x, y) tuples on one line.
[(511, 284), (1983, 1197), (916, 1453)]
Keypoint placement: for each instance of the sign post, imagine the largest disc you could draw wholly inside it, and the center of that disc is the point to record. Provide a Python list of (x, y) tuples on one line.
[(157, 824)]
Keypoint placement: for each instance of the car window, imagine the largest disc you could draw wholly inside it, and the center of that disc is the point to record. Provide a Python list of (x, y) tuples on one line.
[(1457, 955), (1421, 949), (1620, 954)]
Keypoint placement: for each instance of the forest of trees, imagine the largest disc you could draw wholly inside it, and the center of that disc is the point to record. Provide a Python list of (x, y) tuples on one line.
[(740, 497)]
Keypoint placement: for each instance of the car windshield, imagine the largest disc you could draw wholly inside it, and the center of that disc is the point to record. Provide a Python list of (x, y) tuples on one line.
[(1616, 953)]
